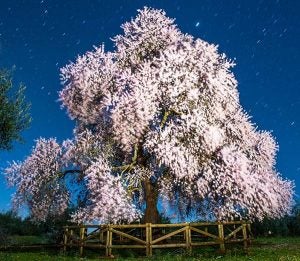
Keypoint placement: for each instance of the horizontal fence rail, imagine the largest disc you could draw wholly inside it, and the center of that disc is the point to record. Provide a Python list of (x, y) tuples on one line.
[(153, 236)]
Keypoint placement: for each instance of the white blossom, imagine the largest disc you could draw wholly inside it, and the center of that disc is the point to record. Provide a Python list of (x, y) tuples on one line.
[(38, 180), (162, 106), (108, 200)]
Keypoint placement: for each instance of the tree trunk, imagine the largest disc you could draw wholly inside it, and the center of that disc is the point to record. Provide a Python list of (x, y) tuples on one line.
[(151, 197)]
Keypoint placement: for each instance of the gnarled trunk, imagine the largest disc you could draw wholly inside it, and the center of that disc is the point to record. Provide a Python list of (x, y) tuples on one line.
[(151, 197)]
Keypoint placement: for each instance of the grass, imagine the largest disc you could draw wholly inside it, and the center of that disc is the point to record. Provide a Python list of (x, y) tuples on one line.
[(273, 249), (27, 240)]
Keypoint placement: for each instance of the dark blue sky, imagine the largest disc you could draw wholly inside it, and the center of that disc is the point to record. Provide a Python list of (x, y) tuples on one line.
[(38, 37)]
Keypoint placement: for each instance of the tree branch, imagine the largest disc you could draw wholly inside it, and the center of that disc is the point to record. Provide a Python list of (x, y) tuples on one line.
[(165, 117), (131, 164)]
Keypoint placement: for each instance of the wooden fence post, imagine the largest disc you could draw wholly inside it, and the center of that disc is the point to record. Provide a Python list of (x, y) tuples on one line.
[(108, 241), (221, 237), (234, 227), (71, 237), (148, 239), (101, 235), (249, 232), (206, 229), (66, 231), (244, 229), (188, 239), (81, 240)]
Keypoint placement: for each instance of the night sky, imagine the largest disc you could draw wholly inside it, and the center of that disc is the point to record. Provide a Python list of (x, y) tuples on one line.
[(263, 37)]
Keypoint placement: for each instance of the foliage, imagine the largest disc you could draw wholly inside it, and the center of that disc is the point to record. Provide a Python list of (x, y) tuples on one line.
[(160, 113), (10, 223), (14, 229), (52, 227), (14, 112), (288, 225)]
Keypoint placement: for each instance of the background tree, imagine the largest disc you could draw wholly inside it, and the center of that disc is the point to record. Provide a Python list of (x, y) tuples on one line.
[(14, 111), (48, 231), (158, 118), (288, 225)]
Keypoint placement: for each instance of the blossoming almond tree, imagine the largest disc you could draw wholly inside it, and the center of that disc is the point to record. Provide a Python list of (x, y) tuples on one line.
[(157, 119)]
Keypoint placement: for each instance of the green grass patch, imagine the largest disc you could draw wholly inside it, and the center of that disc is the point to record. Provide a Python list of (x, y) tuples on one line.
[(27, 240), (40, 256), (262, 249)]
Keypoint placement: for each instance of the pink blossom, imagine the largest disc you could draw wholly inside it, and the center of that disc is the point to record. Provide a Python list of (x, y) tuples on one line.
[(162, 106)]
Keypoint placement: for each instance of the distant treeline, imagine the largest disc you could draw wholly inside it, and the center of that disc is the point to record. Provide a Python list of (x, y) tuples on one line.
[(13, 225), (286, 226)]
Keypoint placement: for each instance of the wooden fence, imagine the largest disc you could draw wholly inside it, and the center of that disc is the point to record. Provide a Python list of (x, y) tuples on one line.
[(152, 236)]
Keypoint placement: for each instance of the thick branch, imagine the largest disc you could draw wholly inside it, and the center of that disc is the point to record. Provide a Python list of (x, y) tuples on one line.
[(129, 166), (166, 116)]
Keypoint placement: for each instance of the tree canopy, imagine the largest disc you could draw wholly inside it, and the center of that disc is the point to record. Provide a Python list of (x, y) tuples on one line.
[(158, 118), (14, 111)]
